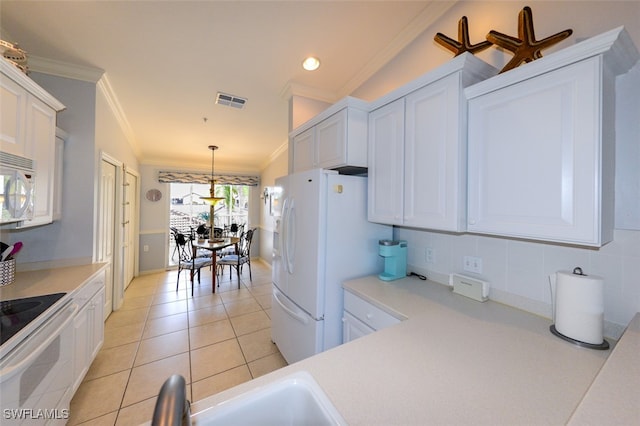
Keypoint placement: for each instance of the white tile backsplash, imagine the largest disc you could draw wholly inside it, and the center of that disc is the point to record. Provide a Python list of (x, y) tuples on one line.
[(518, 270)]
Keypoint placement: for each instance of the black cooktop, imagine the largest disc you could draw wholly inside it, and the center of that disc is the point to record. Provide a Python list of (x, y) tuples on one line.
[(17, 313)]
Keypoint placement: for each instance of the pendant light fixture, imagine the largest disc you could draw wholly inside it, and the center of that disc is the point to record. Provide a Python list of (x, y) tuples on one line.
[(212, 199)]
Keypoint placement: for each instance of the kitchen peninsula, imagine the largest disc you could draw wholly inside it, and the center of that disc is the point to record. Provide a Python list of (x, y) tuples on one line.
[(456, 361)]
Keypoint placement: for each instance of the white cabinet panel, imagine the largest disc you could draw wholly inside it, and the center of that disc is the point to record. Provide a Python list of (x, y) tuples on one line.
[(335, 139), (331, 140), (41, 131), (353, 328), (13, 108), (386, 163), (435, 184), (535, 157), (304, 150), (361, 318)]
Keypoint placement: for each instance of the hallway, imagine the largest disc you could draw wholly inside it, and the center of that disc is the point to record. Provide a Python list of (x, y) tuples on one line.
[(215, 341)]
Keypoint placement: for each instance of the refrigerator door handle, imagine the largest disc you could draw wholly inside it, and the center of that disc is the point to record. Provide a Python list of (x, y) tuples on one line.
[(291, 236), (298, 317)]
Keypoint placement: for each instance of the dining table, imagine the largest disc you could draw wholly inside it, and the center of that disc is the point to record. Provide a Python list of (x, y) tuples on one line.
[(214, 245)]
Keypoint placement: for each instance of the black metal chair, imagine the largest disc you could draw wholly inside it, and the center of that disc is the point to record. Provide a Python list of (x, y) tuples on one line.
[(187, 259), (238, 260)]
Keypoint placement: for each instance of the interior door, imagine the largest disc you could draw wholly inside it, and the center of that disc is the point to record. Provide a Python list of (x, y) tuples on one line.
[(129, 227), (106, 228)]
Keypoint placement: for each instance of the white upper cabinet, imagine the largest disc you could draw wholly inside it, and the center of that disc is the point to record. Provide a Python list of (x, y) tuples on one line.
[(417, 149), (29, 130), (334, 139), (542, 145)]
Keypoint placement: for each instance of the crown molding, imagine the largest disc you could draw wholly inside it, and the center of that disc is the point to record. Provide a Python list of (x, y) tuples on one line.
[(275, 154), (64, 69), (293, 88), (112, 100)]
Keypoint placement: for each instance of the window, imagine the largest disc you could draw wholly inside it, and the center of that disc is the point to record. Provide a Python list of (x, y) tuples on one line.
[(187, 211)]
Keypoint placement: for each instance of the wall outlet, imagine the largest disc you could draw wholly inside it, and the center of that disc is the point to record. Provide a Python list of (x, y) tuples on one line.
[(145, 248), (472, 264), (430, 255)]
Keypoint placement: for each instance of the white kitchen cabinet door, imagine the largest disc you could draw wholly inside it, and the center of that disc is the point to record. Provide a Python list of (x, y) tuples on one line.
[(57, 175), (434, 157), (88, 328), (331, 140), (41, 135), (13, 108), (536, 157), (304, 150), (353, 328), (386, 163)]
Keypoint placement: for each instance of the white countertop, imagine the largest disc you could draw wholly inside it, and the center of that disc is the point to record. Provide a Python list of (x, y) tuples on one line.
[(452, 361)]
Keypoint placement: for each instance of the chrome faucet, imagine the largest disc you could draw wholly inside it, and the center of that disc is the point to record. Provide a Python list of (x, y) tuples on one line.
[(172, 407)]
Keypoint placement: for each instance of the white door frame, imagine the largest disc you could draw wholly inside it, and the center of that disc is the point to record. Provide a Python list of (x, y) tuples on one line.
[(117, 290), (134, 214)]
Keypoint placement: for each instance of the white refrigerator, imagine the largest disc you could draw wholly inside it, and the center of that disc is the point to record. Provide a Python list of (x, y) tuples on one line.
[(321, 238)]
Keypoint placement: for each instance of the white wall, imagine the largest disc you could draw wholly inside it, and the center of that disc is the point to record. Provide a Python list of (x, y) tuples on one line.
[(518, 270)]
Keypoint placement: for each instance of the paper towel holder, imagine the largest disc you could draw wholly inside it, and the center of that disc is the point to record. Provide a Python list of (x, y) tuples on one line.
[(599, 346)]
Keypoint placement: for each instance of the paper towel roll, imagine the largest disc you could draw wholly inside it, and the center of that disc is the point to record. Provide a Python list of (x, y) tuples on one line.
[(580, 307)]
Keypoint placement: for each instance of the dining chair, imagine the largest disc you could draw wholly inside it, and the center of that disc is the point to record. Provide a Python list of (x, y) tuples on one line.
[(238, 260), (187, 259)]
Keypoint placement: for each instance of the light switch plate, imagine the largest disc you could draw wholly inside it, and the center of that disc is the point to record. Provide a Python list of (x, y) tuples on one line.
[(470, 287)]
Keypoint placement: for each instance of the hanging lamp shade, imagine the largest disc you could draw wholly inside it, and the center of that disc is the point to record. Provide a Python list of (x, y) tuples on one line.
[(212, 199)]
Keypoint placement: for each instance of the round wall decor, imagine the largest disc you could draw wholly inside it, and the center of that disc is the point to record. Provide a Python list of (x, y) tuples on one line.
[(153, 195)]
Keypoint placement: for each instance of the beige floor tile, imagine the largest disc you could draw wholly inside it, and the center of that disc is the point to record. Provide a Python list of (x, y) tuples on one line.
[(215, 359), (116, 336), (257, 344), (206, 315), (112, 360), (166, 309), (210, 333), (128, 317), (95, 398), (222, 381), (106, 420), (163, 325), (136, 291), (234, 296), (162, 346), (168, 296), (204, 301), (136, 302), (136, 414), (261, 290), (267, 364), (248, 323), (146, 380), (241, 307), (264, 300)]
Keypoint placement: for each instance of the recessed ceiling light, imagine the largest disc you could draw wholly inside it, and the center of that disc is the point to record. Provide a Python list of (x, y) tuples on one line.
[(311, 63)]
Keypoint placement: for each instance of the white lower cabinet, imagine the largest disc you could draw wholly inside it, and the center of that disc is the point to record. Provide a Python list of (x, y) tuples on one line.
[(361, 318), (88, 327)]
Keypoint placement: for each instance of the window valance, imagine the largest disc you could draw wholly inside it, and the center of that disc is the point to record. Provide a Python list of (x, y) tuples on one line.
[(199, 177)]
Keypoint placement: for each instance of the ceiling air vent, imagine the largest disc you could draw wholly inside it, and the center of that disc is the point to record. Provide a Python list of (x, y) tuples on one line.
[(230, 100)]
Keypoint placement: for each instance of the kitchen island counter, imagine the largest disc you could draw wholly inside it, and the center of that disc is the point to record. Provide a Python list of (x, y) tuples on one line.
[(452, 361)]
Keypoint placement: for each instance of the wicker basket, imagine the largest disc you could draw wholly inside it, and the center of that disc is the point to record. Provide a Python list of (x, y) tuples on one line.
[(7, 272)]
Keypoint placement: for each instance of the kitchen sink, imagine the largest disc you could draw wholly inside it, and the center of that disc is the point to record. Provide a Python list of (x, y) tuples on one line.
[(293, 400)]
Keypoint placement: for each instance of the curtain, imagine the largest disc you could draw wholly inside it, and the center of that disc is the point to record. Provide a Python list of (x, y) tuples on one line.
[(199, 177)]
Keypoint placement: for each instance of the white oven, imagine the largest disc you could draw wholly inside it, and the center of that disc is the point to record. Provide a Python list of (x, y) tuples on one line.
[(36, 375)]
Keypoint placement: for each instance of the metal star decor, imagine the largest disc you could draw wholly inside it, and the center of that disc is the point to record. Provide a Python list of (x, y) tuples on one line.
[(463, 44), (525, 48)]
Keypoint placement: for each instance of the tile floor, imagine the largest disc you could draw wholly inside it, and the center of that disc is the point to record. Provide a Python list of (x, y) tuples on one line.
[(215, 341)]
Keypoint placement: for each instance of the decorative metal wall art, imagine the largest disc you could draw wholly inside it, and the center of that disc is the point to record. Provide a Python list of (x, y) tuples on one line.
[(525, 47), (463, 44)]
